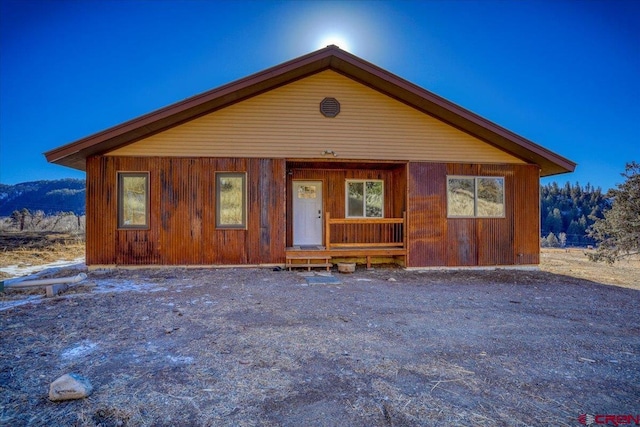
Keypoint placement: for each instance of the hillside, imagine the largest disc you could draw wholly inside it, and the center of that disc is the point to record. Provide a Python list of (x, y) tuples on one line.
[(567, 212), (62, 195)]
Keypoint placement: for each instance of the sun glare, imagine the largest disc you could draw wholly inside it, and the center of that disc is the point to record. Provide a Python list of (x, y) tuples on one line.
[(335, 39)]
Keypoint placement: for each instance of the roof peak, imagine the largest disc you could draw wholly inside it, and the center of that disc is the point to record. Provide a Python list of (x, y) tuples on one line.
[(330, 57)]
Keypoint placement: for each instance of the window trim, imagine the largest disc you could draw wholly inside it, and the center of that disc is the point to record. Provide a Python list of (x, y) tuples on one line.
[(364, 208), (231, 174), (475, 196), (120, 199)]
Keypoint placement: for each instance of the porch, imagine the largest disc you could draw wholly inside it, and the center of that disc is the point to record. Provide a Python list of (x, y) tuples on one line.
[(346, 211), (361, 240)]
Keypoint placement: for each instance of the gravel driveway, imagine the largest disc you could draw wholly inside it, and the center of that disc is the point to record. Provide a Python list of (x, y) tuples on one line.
[(387, 347)]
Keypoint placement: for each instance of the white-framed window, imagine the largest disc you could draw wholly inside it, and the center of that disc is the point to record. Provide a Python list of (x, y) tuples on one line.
[(133, 200), (231, 200), (475, 197), (364, 198)]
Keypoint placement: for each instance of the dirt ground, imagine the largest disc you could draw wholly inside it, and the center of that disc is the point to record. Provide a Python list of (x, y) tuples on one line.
[(384, 347)]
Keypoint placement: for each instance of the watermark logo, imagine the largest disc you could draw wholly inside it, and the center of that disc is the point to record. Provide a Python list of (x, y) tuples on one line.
[(609, 419)]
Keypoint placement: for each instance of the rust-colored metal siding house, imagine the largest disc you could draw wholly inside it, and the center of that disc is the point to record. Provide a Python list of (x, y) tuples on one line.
[(326, 155)]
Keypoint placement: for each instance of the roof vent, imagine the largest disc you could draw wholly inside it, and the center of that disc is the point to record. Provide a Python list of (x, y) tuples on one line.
[(329, 107)]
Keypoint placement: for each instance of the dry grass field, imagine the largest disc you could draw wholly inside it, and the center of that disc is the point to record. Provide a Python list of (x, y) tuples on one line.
[(574, 263), (23, 249)]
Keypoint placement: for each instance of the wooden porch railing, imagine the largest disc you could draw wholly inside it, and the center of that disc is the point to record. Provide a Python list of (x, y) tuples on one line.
[(365, 232)]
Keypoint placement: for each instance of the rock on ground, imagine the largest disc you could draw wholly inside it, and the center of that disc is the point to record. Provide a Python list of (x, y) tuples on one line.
[(70, 386)]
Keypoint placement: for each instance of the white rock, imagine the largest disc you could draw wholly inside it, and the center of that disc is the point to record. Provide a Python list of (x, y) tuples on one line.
[(69, 387)]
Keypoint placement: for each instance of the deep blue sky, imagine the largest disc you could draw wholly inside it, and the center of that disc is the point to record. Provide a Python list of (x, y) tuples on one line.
[(565, 74)]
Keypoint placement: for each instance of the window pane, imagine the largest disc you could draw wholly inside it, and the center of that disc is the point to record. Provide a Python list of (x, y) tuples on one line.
[(374, 199), (355, 199), (230, 198), (460, 197), (133, 200), (491, 197), (307, 192)]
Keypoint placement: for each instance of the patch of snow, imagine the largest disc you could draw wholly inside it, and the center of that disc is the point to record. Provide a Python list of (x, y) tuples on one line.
[(105, 286), (5, 305), (181, 360), (100, 286), (16, 270), (81, 349)]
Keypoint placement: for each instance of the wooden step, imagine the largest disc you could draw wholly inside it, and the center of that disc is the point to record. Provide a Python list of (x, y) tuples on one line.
[(308, 261)]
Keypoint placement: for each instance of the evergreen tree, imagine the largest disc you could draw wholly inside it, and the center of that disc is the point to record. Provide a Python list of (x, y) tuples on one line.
[(575, 233), (543, 242), (618, 230), (553, 222), (552, 241), (569, 209)]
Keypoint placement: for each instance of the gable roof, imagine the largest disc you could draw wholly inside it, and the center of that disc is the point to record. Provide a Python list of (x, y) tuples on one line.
[(333, 58)]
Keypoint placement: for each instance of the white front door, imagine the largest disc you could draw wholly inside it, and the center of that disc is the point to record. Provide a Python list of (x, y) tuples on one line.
[(307, 213)]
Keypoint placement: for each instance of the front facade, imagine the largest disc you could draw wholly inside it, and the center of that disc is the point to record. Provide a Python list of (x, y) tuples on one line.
[(325, 155)]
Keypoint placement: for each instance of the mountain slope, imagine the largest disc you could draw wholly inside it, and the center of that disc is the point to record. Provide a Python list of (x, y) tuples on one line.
[(62, 195)]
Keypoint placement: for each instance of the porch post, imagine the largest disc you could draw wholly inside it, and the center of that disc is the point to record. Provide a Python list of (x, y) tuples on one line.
[(404, 229), (327, 230)]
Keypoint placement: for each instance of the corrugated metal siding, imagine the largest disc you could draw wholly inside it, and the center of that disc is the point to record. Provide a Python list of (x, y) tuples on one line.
[(526, 215), (182, 213), (426, 215), (286, 123), (102, 213), (435, 240), (496, 234)]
